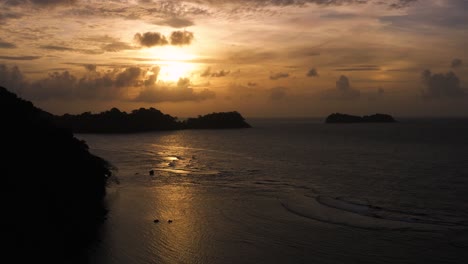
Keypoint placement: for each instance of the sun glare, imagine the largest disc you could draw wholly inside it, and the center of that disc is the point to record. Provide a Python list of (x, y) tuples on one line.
[(173, 71), (174, 63)]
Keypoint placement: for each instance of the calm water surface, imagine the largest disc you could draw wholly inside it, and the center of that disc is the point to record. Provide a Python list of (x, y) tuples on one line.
[(288, 191)]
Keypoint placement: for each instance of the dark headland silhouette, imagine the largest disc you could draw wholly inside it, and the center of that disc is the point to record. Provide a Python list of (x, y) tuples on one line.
[(344, 118), (52, 187), (144, 120)]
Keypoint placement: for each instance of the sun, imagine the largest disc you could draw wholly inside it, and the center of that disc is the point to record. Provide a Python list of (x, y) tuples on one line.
[(174, 63), (173, 71)]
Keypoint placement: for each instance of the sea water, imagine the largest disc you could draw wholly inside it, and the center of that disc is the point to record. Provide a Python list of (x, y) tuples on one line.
[(288, 191)]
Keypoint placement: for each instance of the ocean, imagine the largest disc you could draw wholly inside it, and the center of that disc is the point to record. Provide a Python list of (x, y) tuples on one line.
[(288, 191)]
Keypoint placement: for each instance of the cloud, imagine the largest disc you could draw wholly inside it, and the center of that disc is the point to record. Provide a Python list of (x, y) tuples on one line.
[(343, 90), (312, 73), (150, 39), (11, 77), (128, 77), (395, 4), (180, 38), (94, 85), (168, 92), (6, 45), (103, 86), (251, 56), (90, 67), (64, 49), (177, 38), (278, 93), (117, 46), (402, 3), (221, 73), (20, 58), (441, 85), (175, 22), (251, 84), (44, 3), (7, 15), (449, 14), (279, 75), (58, 48), (457, 63), (360, 68), (206, 73)]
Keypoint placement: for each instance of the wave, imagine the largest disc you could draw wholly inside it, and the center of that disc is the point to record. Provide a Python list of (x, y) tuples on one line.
[(340, 212)]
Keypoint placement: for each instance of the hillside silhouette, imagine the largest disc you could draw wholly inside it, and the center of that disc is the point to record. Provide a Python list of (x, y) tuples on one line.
[(116, 121), (345, 118), (144, 120), (53, 188)]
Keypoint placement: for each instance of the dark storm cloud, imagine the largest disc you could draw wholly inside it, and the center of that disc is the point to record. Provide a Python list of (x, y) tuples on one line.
[(20, 58), (6, 45), (150, 39), (343, 90), (251, 84), (279, 75), (175, 22), (457, 63), (441, 85), (180, 38), (278, 93), (312, 73)]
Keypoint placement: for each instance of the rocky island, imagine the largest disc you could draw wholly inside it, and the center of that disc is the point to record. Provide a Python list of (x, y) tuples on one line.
[(52, 186), (223, 120), (344, 118)]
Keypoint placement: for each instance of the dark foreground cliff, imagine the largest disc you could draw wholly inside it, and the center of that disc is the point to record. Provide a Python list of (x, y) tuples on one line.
[(344, 118), (52, 187)]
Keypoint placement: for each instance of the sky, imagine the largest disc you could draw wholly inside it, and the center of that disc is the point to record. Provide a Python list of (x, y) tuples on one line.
[(263, 58)]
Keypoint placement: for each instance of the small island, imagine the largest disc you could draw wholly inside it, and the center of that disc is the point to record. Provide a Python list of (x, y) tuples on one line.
[(52, 186), (344, 118), (145, 120), (224, 120)]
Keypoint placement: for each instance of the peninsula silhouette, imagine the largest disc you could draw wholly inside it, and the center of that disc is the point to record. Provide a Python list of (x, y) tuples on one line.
[(145, 120)]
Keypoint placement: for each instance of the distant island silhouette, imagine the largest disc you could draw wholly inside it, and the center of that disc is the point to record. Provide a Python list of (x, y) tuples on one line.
[(53, 188), (344, 118), (145, 120)]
